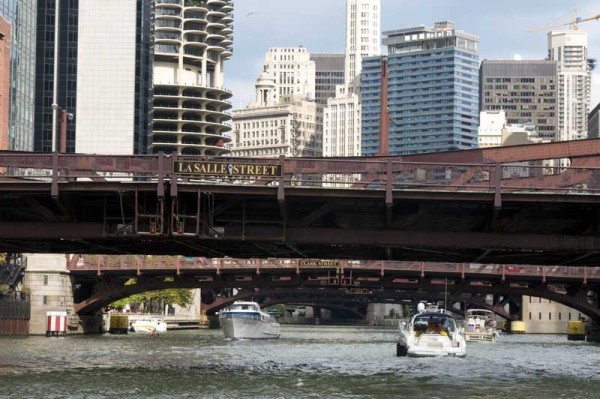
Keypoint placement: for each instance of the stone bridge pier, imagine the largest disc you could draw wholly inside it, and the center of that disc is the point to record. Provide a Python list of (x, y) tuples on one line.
[(593, 326)]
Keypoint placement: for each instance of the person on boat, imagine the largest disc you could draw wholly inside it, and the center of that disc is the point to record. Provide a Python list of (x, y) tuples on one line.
[(434, 328)]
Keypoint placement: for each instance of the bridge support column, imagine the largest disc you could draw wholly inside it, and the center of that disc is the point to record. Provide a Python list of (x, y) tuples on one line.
[(213, 322), (49, 282), (93, 324), (317, 315), (593, 326)]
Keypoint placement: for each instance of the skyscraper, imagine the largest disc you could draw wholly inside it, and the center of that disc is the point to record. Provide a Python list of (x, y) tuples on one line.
[(342, 115), (21, 14), (329, 73), (525, 90), (433, 91), (363, 29), (67, 71), (154, 83), (594, 123), (569, 49), (193, 39), (109, 67), (4, 81)]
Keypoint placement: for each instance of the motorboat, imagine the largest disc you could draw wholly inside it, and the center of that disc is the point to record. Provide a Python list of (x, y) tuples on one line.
[(148, 324), (480, 325), (245, 320), (430, 332)]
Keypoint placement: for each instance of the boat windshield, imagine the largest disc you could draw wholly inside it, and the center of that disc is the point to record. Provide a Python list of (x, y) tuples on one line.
[(245, 306), (483, 314), (434, 323)]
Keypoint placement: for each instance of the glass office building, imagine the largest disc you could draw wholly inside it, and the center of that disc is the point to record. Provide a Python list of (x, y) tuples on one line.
[(68, 74), (22, 16), (433, 91), (67, 71)]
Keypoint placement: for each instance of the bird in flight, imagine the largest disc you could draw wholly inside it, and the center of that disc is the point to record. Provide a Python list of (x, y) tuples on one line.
[(251, 13)]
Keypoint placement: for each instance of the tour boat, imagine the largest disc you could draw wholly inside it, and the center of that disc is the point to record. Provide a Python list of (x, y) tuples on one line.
[(245, 320), (430, 333), (148, 324), (480, 325)]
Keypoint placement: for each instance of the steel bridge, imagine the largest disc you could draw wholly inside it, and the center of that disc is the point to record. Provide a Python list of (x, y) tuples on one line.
[(506, 205), (335, 284)]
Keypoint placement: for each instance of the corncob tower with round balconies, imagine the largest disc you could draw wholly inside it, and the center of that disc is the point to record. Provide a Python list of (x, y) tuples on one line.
[(192, 40)]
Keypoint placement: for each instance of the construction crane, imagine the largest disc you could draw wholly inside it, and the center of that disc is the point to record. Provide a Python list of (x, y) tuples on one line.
[(573, 23)]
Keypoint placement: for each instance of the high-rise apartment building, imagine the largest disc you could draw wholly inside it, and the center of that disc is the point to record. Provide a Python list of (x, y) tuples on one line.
[(193, 39), (4, 81), (342, 115), (569, 49), (525, 90), (363, 31), (433, 91), (21, 14)]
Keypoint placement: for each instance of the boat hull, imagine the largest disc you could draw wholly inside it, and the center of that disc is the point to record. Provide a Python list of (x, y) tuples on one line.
[(243, 328), (432, 346), (146, 326), (480, 337)]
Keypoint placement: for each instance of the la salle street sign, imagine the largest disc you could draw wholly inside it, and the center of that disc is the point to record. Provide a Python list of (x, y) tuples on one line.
[(226, 169)]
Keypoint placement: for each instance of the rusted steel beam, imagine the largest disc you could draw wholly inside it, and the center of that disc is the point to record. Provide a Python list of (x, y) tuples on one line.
[(428, 239), (526, 152), (35, 230)]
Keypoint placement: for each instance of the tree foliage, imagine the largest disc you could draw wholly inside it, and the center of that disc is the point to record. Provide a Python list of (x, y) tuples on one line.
[(156, 300)]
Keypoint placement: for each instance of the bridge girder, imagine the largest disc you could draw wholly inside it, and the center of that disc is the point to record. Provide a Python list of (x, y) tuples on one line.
[(110, 289), (458, 206)]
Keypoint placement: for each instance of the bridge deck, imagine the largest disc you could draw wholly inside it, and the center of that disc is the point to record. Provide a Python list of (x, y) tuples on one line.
[(501, 205)]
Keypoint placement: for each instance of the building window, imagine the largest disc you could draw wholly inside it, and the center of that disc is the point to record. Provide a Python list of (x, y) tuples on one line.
[(540, 315), (529, 315), (569, 315), (549, 315), (559, 316), (45, 280), (44, 300)]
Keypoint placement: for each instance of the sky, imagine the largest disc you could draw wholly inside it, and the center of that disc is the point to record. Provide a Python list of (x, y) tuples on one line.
[(319, 26)]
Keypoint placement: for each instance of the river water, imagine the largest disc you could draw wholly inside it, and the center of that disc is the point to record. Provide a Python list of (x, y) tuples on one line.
[(307, 362)]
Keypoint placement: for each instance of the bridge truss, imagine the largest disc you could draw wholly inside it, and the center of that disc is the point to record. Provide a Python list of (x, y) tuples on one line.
[(500, 205)]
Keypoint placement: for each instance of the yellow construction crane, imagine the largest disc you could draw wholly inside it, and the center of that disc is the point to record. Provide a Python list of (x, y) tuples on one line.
[(573, 23)]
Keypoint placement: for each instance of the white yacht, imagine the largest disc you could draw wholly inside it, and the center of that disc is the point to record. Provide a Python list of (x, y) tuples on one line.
[(430, 333), (480, 325), (148, 324), (245, 320)]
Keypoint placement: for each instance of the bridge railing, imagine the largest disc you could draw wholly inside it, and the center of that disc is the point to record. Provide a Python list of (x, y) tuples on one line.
[(104, 263), (336, 173)]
